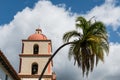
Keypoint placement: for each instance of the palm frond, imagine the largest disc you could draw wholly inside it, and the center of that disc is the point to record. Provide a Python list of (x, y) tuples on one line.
[(82, 23), (90, 46), (67, 36)]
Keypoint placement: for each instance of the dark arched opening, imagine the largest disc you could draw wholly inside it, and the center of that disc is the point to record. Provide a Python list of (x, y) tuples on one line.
[(34, 68), (35, 49)]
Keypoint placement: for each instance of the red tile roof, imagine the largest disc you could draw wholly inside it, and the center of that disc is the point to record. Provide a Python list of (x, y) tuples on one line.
[(37, 36)]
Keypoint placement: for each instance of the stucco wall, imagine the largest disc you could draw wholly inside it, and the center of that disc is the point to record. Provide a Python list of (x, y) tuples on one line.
[(28, 47), (3, 73), (28, 58), (27, 64)]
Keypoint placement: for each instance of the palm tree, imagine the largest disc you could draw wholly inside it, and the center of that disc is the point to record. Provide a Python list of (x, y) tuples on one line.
[(88, 47)]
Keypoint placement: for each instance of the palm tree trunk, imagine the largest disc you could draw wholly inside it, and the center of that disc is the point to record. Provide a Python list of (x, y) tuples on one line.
[(53, 57)]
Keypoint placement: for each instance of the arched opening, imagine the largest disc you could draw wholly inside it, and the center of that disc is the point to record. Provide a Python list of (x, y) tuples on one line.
[(36, 49), (34, 68)]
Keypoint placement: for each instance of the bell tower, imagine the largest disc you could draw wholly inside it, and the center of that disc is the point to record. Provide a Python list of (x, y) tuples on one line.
[(36, 51)]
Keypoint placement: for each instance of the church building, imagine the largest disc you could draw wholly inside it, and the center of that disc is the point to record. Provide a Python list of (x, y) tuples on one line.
[(36, 50)]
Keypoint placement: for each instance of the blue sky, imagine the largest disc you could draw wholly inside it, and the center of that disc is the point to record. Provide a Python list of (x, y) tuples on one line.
[(9, 9), (79, 6), (20, 18)]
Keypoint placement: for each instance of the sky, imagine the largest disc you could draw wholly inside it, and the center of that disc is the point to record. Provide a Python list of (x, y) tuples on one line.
[(20, 18)]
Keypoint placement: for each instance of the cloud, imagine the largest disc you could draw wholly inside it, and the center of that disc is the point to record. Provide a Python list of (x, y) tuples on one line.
[(109, 70), (54, 22), (110, 67), (107, 13)]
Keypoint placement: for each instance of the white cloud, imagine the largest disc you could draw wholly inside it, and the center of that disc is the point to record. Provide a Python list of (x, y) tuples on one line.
[(109, 70), (107, 12), (55, 21), (110, 67)]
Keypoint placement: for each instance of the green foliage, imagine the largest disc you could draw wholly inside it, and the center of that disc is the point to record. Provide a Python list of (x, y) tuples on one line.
[(89, 47)]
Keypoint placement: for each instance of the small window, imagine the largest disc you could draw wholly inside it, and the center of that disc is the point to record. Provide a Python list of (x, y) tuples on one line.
[(34, 68), (36, 49)]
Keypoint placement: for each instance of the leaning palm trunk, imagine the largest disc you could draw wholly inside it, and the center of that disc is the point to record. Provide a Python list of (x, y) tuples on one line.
[(52, 58), (87, 47)]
